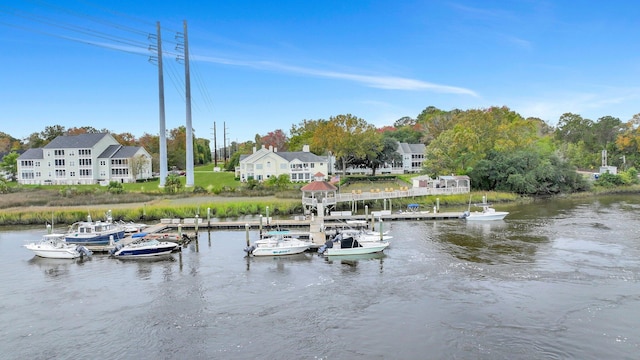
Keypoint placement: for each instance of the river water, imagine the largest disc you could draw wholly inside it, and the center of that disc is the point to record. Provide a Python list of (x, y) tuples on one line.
[(555, 280)]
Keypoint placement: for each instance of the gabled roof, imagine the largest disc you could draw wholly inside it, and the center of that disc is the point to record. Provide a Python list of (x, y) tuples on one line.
[(119, 152), (411, 148), (82, 141), (31, 154), (303, 156)]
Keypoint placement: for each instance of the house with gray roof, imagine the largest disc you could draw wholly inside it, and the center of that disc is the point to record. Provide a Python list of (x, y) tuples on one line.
[(412, 158), (84, 159), (300, 166)]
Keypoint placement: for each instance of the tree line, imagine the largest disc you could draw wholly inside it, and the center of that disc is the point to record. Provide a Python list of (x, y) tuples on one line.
[(496, 147)]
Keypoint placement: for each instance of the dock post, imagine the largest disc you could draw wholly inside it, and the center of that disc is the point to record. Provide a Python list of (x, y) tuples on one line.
[(197, 220), (380, 230), (209, 218), (246, 228), (366, 214), (385, 204), (438, 204), (180, 231), (260, 229), (267, 215)]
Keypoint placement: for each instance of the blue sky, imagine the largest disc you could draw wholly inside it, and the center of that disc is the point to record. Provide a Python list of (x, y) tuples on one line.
[(259, 66)]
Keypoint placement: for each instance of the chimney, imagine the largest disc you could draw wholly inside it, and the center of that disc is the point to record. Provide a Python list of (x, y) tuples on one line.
[(271, 148), (305, 148), (254, 149)]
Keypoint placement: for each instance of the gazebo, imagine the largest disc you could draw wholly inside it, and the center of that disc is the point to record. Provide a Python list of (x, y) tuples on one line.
[(318, 194)]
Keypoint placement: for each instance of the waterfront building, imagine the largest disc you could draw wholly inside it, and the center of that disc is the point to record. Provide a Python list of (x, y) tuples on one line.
[(83, 159)]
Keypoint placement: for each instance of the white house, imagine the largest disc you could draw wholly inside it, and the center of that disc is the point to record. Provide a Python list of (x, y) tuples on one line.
[(83, 159), (412, 159), (265, 163)]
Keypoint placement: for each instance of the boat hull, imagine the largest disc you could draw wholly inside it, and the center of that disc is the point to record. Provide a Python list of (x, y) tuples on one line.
[(498, 215), (131, 252), (279, 250), (98, 239), (53, 253), (366, 248)]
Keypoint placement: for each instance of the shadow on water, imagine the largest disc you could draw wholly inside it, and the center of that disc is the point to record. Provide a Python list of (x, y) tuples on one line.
[(492, 242), (280, 261), (56, 267)]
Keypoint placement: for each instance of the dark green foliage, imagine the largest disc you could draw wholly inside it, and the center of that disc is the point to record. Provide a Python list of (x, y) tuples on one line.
[(199, 190), (115, 187), (527, 173), (172, 184)]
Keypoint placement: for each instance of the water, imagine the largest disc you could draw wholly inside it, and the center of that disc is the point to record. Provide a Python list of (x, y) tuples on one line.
[(555, 280)]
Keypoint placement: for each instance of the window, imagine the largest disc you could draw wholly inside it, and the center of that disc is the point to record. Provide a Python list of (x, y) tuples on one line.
[(59, 162), (58, 152)]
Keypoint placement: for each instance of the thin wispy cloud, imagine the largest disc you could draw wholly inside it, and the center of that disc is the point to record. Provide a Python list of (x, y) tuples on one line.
[(380, 82)]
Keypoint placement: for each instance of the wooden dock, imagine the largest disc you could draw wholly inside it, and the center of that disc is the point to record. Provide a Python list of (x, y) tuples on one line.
[(329, 221), (174, 228)]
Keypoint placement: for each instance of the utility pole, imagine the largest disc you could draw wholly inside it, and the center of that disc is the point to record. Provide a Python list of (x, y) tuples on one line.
[(215, 146), (187, 84), (163, 131), (224, 141)]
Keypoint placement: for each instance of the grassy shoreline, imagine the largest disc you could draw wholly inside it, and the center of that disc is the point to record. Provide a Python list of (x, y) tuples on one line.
[(152, 209)]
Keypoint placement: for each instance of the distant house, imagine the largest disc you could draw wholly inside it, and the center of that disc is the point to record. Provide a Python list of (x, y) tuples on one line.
[(300, 166), (83, 159), (412, 159)]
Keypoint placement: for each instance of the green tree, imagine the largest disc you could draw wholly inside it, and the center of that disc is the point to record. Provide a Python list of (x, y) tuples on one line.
[(303, 133), (526, 172), (472, 134), (383, 152), (10, 164), (347, 137), (51, 132)]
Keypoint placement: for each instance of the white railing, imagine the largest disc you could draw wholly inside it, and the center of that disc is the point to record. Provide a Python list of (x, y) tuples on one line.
[(388, 194)]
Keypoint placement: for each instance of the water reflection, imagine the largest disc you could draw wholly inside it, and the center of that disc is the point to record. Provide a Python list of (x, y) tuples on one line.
[(492, 242), (281, 261), (55, 267), (353, 260)]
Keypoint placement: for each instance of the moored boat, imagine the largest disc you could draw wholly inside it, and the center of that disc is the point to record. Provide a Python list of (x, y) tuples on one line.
[(53, 246), (277, 244), (487, 213), (143, 248), (348, 245), (94, 232)]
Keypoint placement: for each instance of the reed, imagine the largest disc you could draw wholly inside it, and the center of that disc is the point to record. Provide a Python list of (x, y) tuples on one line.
[(155, 212)]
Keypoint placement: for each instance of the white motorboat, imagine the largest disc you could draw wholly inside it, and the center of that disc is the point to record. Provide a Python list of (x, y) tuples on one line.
[(347, 245), (367, 235), (53, 246), (143, 248), (487, 213), (277, 244)]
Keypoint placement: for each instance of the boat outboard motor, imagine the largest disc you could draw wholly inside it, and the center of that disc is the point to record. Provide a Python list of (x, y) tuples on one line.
[(327, 245), (84, 251), (249, 249)]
